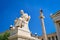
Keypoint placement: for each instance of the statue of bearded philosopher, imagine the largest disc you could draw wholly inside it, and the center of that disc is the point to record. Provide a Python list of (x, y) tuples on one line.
[(24, 19)]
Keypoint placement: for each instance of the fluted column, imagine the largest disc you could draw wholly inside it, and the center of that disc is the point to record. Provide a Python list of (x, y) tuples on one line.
[(51, 38), (43, 26), (54, 37)]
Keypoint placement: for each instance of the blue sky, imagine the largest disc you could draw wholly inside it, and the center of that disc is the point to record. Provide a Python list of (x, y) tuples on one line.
[(10, 9)]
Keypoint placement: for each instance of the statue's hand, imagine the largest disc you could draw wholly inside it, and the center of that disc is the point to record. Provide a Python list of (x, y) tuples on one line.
[(29, 17)]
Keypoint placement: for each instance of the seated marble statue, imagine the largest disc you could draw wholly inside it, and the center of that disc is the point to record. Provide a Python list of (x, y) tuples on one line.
[(24, 19)]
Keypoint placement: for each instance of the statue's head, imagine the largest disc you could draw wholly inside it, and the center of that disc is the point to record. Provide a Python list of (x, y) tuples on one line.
[(22, 12)]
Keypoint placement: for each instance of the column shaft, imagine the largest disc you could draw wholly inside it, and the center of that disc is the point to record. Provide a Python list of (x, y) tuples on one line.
[(51, 38), (43, 29)]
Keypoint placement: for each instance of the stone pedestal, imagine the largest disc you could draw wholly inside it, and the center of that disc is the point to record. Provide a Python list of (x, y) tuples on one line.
[(20, 34)]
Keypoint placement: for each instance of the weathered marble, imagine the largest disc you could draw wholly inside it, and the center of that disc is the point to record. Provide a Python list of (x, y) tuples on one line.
[(56, 19), (20, 31)]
